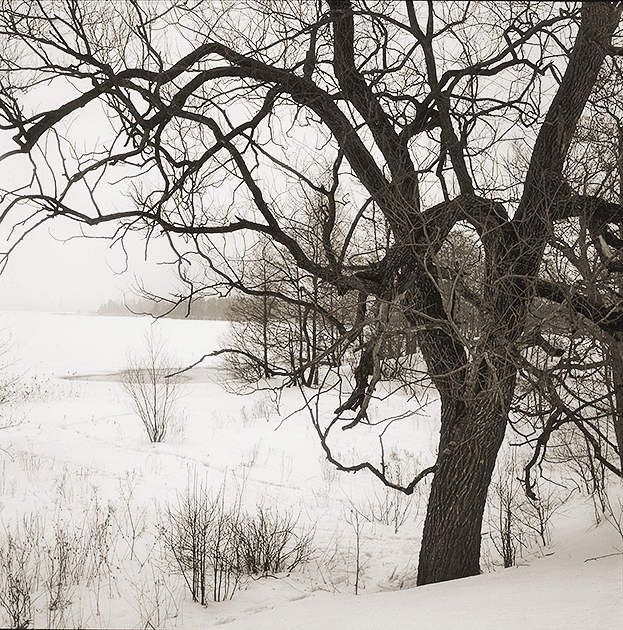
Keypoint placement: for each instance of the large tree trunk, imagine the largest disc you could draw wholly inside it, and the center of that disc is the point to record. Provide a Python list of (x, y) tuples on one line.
[(475, 400), (452, 530)]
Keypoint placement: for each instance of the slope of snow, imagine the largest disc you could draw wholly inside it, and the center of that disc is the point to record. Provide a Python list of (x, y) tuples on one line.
[(563, 591), (75, 450)]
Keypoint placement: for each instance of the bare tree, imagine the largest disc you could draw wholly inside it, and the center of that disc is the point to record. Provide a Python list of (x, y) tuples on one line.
[(212, 114), (152, 386), (284, 324)]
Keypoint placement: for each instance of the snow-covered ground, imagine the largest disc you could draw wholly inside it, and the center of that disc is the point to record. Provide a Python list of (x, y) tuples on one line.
[(77, 469)]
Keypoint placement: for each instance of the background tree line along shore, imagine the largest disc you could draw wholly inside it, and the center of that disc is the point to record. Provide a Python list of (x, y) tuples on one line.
[(215, 309), (427, 192)]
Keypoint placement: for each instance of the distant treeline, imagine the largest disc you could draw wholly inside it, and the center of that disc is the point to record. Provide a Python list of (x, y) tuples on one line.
[(202, 308)]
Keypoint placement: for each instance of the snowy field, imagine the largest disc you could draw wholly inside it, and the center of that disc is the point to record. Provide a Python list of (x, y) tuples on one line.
[(84, 498)]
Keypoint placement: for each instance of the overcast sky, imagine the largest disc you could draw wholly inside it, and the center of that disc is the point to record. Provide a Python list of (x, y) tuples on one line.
[(45, 273), (49, 272)]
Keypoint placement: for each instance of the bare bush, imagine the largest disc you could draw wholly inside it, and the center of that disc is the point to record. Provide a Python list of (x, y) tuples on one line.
[(357, 521), (614, 513), (8, 382), (64, 566), (224, 553), (214, 546), (49, 567), (152, 391), (389, 506), (507, 533), (587, 473), (157, 598), (268, 543), (200, 537), (187, 536), (536, 514), (131, 519), (515, 521), (19, 574)]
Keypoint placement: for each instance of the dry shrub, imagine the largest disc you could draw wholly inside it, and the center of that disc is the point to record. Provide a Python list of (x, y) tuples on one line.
[(152, 391)]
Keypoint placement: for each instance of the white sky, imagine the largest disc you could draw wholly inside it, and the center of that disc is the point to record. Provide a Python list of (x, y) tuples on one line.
[(49, 272), (46, 273)]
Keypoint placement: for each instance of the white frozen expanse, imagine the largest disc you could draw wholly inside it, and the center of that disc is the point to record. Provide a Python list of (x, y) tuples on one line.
[(76, 450)]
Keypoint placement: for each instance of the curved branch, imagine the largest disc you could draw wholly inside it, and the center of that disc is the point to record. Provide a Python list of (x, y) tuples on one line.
[(544, 182), (359, 93), (608, 318)]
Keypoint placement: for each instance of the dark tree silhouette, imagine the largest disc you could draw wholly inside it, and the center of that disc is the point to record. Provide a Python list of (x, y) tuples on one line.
[(216, 117)]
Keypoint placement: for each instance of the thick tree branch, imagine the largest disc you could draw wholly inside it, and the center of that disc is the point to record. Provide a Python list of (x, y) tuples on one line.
[(608, 318)]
